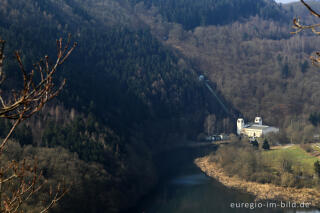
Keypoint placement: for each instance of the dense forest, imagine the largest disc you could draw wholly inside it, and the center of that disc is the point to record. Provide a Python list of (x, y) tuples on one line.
[(191, 14), (127, 98), (257, 64), (133, 89)]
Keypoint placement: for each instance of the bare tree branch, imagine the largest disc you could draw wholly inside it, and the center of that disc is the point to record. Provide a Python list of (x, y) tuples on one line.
[(19, 181), (35, 95), (300, 27)]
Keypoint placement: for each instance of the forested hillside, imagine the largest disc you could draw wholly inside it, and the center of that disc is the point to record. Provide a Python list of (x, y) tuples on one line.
[(127, 98), (257, 64), (191, 14), (133, 89)]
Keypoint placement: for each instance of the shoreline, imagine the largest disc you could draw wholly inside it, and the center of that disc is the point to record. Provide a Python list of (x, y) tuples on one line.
[(259, 190)]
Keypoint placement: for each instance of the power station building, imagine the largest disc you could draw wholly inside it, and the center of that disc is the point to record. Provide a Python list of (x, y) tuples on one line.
[(255, 129)]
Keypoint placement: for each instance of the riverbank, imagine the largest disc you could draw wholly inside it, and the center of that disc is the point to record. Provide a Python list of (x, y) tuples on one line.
[(261, 191)]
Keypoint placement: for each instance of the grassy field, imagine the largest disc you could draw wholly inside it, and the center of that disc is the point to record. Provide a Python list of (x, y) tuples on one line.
[(299, 157)]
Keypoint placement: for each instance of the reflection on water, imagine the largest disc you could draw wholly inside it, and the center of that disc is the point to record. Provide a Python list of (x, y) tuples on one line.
[(197, 193), (195, 179), (187, 190)]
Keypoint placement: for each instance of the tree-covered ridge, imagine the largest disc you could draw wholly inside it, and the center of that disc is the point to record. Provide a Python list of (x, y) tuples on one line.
[(126, 95), (114, 67), (132, 60), (257, 65), (192, 14), (129, 77)]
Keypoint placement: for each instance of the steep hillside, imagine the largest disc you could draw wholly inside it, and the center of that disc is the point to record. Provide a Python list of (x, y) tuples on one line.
[(133, 87), (191, 14), (127, 98), (257, 64)]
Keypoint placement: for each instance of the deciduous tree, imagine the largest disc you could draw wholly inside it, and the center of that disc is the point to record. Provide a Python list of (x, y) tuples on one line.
[(20, 181)]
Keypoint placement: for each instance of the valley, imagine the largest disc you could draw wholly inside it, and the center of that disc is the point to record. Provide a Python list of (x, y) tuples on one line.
[(134, 92)]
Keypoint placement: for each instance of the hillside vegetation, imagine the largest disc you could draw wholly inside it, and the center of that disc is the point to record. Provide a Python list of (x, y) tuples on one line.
[(133, 85), (288, 167), (126, 98), (256, 63), (191, 14)]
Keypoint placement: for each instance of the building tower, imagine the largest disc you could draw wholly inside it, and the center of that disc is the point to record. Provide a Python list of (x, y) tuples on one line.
[(240, 125), (258, 120)]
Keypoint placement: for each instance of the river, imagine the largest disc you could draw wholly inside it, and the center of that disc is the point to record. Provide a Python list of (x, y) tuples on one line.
[(185, 189)]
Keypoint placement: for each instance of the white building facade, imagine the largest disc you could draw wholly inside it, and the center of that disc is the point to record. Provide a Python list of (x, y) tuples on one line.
[(256, 129)]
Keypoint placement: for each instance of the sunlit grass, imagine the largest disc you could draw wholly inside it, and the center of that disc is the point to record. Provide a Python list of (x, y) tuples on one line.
[(299, 157)]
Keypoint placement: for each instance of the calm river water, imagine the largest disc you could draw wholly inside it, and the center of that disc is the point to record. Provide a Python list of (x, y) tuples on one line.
[(185, 189)]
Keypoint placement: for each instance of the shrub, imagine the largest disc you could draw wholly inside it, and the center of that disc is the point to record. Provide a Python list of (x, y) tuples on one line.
[(306, 147), (317, 168), (263, 177), (285, 163), (287, 179), (265, 145)]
